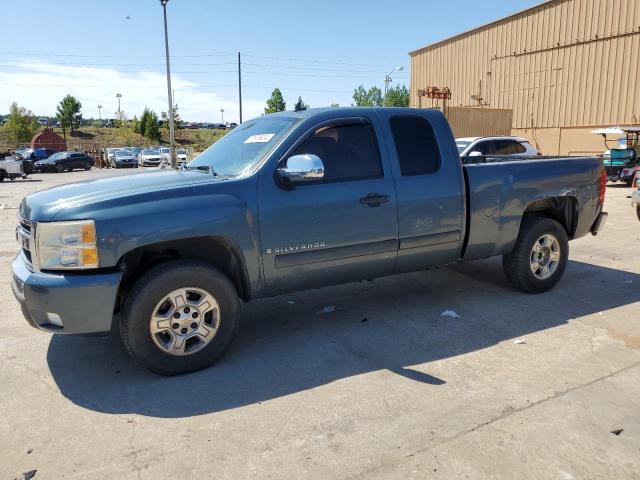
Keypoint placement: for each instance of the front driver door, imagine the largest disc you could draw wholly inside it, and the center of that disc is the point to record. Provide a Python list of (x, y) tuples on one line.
[(341, 229)]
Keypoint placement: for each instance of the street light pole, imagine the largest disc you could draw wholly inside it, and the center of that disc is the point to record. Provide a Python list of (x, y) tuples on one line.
[(222, 112), (387, 81), (119, 96), (172, 139), (100, 112)]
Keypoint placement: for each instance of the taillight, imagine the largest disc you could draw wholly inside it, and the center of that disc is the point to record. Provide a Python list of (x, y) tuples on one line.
[(603, 187), (539, 154)]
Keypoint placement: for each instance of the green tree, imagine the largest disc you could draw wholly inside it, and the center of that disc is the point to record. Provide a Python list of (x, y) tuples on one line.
[(176, 118), (135, 124), (276, 103), (367, 98), (334, 105), (300, 105), (151, 128), (68, 113), (397, 96), (143, 121), (21, 125)]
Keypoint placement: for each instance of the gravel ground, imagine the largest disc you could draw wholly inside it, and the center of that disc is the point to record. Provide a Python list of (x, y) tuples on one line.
[(383, 386)]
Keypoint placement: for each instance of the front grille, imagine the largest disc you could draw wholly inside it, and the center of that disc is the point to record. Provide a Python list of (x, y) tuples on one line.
[(24, 235)]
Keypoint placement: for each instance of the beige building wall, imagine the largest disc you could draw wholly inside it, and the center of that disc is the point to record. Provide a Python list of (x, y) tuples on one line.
[(564, 68)]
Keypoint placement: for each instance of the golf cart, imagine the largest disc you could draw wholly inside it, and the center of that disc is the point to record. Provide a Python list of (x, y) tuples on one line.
[(621, 157)]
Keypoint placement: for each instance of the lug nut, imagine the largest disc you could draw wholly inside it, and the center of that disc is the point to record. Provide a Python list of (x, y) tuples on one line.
[(176, 315), (175, 326), (184, 330), (194, 315), (194, 325), (187, 309)]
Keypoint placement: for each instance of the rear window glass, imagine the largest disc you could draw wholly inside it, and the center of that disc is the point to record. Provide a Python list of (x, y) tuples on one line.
[(416, 145)]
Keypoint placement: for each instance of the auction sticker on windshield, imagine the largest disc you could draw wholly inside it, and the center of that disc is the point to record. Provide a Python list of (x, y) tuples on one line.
[(262, 138)]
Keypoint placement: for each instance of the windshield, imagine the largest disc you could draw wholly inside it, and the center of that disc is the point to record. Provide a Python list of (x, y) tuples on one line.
[(58, 156), (136, 150), (244, 147), (150, 152), (461, 146), (123, 153), (181, 151)]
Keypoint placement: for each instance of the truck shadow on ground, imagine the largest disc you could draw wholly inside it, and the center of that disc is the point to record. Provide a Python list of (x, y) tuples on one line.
[(286, 345)]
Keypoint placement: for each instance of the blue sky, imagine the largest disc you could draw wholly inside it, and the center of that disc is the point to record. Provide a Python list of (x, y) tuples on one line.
[(318, 50)]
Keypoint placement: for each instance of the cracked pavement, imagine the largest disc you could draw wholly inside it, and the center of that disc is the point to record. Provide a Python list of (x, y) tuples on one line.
[(406, 394)]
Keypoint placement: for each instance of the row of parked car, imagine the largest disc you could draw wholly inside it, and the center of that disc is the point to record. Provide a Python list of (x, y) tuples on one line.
[(133, 157), (26, 161)]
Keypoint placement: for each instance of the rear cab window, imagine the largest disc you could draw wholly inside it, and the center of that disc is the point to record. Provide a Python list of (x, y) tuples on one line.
[(416, 145)]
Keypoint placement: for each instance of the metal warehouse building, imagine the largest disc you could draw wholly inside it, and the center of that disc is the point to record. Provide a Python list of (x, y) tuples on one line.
[(564, 67)]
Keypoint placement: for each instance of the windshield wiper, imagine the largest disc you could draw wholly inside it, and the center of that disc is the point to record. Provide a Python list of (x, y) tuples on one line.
[(203, 168)]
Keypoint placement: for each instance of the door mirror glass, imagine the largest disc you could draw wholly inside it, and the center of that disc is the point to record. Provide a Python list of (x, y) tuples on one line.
[(475, 153), (300, 169)]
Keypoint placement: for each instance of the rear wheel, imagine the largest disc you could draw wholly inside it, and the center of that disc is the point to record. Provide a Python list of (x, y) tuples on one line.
[(179, 317), (638, 212), (540, 256), (87, 165), (3, 175)]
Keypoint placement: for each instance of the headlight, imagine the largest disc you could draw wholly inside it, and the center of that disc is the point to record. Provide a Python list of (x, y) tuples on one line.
[(67, 245)]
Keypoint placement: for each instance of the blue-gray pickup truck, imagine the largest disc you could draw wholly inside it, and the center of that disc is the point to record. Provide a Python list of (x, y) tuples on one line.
[(286, 202)]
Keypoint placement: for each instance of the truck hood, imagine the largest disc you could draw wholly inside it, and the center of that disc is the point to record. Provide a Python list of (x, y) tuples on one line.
[(45, 205)]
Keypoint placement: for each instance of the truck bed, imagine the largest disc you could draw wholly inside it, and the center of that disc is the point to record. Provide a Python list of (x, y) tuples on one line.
[(500, 192)]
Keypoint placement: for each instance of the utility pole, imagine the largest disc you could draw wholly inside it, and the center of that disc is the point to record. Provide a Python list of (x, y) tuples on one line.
[(119, 96), (100, 112), (240, 85), (222, 112), (387, 81), (172, 138)]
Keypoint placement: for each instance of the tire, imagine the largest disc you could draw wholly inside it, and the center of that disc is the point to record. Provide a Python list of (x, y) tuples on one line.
[(3, 175), (628, 182), (146, 297), (59, 168), (87, 165), (520, 263), (637, 211)]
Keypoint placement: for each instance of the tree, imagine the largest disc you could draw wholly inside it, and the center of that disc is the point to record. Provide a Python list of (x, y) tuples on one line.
[(367, 98), (151, 128), (300, 105), (397, 96), (176, 117), (68, 113), (135, 124), (334, 105), (276, 103), (21, 125), (143, 121)]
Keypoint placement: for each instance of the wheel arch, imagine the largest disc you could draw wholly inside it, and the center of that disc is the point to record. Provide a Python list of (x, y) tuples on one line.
[(563, 209), (218, 251)]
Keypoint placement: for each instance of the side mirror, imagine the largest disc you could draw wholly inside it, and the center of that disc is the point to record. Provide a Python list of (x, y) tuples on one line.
[(301, 169), (475, 153)]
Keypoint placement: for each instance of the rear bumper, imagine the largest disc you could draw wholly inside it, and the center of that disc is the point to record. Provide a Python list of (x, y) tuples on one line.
[(600, 223), (68, 303)]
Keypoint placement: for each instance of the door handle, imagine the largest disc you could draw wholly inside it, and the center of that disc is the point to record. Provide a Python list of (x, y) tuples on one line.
[(375, 199)]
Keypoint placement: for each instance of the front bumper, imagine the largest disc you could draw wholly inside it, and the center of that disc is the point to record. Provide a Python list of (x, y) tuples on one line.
[(82, 303)]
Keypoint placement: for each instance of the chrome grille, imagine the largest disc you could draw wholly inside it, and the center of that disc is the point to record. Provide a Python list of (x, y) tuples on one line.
[(24, 235)]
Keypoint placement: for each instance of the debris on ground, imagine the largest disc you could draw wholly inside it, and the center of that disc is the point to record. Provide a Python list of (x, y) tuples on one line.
[(29, 451), (365, 319), (450, 313), (617, 431), (520, 341), (29, 475), (329, 309)]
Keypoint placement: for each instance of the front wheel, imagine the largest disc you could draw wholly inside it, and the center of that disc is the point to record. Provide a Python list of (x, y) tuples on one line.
[(87, 165), (179, 317), (540, 256), (637, 211), (59, 168)]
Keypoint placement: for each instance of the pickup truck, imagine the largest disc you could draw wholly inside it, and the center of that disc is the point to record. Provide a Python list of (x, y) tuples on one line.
[(285, 202)]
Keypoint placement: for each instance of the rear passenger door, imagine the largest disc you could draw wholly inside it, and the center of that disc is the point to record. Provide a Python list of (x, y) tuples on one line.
[(342, 229), (430, 189)]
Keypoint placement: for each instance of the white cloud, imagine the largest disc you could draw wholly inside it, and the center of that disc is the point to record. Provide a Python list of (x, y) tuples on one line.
[(40, 85)]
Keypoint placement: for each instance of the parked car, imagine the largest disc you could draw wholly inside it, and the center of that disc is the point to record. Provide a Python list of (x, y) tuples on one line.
[(150, 157), (12, 167), (479, 146), (232, 125), (61, 161), (124, 158), (43, 122), (136, 151), (181, 155), (290, 201)]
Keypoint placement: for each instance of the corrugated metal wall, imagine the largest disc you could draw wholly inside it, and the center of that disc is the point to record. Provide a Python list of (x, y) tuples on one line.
[(564, 63), (478, 122)]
